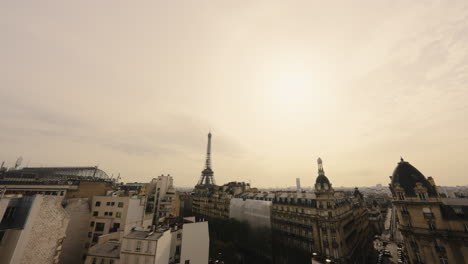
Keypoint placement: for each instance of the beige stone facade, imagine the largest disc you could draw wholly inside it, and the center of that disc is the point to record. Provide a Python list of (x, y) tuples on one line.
[(327, 223), (40, 236)]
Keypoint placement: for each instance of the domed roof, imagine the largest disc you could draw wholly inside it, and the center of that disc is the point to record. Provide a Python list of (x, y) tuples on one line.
[(322, 179), (407, 176)]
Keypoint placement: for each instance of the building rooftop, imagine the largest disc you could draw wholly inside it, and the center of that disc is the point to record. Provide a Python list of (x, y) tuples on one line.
[(407, 176), (144, 235), (55, 173), (455, 201), (109, 249)]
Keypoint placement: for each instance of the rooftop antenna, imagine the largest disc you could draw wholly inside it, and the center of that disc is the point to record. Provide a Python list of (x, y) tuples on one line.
[(18, 162)]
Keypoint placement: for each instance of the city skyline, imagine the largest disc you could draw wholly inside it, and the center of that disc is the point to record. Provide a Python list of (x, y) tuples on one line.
[(136, 88)]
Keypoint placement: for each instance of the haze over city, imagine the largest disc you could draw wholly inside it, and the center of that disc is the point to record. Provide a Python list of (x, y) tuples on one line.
[(135, 88)]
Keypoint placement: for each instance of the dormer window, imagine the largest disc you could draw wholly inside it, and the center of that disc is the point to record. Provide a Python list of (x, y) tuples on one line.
[(401, 196), (422, 196), (325, 185)]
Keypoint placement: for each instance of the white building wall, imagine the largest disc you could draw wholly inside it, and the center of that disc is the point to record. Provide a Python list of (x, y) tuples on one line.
[(163, 248), (135, 214), (195, 243), (256, 212)]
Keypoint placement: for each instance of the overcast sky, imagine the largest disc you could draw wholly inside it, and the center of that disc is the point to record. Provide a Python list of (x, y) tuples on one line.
[(135, 86)]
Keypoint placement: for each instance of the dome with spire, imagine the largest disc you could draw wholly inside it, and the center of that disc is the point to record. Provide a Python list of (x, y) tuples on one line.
[(407, 176), (321, 178)]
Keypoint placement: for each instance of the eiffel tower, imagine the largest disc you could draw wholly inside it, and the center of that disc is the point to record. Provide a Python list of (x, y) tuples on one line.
[(207, 177)]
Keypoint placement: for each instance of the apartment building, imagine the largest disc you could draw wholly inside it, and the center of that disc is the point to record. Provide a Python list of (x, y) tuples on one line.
[(114, 213), (214, 201), (327, 224), (163, 199), (434, 228)]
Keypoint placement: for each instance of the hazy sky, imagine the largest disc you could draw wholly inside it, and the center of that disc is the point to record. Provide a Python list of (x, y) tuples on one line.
[(135, 86)]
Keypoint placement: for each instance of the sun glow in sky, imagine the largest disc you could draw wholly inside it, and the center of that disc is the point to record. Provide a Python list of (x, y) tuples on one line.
[(135, 87)]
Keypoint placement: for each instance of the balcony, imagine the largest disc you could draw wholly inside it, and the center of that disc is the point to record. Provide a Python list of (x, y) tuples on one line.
[(440, 249)]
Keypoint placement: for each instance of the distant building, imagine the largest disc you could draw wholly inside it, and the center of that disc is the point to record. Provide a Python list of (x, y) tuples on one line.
[(134, 188), (70, 182), (32, 229), (298, 184), (434, 229), (214, 201), (163, 200)]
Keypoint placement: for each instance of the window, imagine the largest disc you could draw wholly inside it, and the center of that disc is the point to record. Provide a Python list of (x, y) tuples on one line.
[(427, 213), (112, 203), (91, 224), (99, 227), (111, 261), (443, 260), (458, 211), (120, 204), (110, 213), (432, 226), (95, 237), (177, 250), (108, 203), (97, 204), (422, 196), (179, 236), (9, 214), (94, 260), (118, 214), (90, 234), (95, 213), (418, 258), (187, 262), (148, 248), (138, 246), (129, 245), (103, 261), (401, 196)]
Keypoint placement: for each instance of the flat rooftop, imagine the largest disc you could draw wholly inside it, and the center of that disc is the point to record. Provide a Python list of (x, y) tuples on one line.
[(144, 235), (110, 249)]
